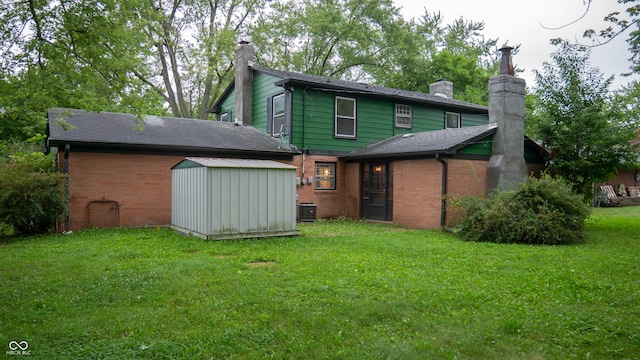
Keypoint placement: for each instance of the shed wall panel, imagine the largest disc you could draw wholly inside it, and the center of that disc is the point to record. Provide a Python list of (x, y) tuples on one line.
[(189, 199)]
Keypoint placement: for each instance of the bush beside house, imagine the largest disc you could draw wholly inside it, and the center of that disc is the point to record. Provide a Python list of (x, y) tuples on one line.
[(537, 211), (31, 195)]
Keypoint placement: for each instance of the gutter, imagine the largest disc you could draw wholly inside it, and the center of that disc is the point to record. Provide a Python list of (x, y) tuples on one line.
[(65, 171), (443, 209), (178, 150)]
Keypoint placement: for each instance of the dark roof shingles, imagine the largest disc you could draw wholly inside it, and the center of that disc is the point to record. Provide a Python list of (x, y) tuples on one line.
[(336, 84), (424, 143), (102, 128)]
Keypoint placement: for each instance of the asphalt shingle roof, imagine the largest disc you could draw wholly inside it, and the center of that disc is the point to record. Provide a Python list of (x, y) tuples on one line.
[(321, 82), (123, 130), (426, 143)]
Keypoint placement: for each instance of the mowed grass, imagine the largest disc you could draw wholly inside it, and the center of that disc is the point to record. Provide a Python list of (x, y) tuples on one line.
[(343, 290)]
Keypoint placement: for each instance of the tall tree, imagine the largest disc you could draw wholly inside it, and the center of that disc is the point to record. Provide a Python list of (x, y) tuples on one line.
[(368, 40), (621, 24), (335, 38), (576, 120), (77, 54), (73, 53), (126, 56), (192, 45), (458, 52)]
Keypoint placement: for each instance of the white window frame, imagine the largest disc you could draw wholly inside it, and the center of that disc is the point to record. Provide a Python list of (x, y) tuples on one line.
[(458, 120), (339, 117), (325, 176), (404, 116), (275, 129), (225, 116)]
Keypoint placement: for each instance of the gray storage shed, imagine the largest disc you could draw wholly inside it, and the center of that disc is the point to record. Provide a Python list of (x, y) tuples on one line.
[(233, 198)]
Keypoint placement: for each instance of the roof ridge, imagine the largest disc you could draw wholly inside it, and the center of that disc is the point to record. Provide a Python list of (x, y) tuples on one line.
[(373, 89)]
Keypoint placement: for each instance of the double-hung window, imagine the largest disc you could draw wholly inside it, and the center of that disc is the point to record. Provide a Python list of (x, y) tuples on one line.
[(345, 120), (278, 118), (325, 176), (452, 120), (403, 116)]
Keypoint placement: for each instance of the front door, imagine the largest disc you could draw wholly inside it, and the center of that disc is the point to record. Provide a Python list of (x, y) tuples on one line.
[(377, 191)]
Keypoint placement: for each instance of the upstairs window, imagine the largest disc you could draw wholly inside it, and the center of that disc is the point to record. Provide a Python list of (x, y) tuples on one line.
[(225, 116), (403, 116), (278, 118), (345, 121), (279, 114), (452, 120), (325, 176)]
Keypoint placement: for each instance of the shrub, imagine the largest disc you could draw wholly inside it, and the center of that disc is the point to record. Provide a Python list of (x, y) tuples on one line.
[(31, 194), (536, 211)]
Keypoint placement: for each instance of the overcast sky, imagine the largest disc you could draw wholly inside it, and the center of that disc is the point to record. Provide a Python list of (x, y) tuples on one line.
[(525, 22)]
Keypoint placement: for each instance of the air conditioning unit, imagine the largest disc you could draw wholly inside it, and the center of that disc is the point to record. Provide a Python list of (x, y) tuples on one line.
[(307, 212)]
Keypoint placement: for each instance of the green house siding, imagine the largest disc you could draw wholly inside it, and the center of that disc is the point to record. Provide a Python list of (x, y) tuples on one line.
[(229, 104), (313, 116), (426, 119), (263, 89), (474, 119), (482, 147), (314, 120)]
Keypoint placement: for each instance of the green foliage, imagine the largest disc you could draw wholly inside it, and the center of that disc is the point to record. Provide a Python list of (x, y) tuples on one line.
[(538, 211), (343, 290), (628, 23), (368, 40), (585, 132), (430, 50), (335, 38), (31, 194)]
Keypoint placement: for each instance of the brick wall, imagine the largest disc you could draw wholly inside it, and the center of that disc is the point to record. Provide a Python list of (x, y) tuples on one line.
[(141, 184), (466, 178), (331, 203), (418, 189), (417, 193)]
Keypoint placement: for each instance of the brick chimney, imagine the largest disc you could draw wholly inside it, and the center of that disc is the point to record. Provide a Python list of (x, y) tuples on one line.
[(442, 87), (506, 109), (243, 84)]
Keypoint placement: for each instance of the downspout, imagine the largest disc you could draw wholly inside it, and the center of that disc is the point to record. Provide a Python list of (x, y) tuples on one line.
[(443, 209), (65, 171)]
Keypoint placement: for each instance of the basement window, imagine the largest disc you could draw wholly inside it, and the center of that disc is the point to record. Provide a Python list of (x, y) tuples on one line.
[(325, 176), (452, 120)]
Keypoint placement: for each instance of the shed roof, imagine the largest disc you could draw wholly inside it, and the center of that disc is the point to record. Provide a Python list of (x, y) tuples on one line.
[(425, 143), (191, 162), (85, 129)]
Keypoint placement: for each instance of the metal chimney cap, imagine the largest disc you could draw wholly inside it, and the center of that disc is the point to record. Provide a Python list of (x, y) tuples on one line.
[(506, 64)]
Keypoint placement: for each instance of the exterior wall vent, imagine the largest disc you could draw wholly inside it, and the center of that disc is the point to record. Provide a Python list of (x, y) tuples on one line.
[(104, 213)]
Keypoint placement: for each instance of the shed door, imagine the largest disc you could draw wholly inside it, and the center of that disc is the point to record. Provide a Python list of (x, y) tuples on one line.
[(377, 191)]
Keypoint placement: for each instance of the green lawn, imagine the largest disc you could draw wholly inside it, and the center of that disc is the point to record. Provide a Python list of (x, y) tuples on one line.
[(343, 290)]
